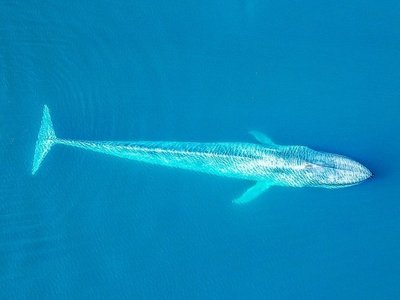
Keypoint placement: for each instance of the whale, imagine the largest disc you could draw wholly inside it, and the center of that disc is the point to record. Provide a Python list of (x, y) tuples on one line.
[(265, 163)]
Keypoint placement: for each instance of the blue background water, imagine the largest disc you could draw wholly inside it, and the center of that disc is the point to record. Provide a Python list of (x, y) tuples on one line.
[(322, 74)]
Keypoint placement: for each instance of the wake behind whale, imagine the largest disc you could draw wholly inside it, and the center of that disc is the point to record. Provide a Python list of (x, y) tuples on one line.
[(266, 163)]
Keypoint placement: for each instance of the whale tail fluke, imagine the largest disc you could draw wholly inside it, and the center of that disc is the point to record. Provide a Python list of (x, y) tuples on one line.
[(45, 140)]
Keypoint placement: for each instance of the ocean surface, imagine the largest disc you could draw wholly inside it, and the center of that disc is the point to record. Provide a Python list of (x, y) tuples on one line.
[(90, 226)]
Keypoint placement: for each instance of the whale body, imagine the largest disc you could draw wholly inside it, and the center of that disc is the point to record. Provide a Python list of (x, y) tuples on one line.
[(266, 163)]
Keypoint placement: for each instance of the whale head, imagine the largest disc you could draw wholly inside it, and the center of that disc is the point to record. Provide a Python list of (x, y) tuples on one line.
[(333, 170)]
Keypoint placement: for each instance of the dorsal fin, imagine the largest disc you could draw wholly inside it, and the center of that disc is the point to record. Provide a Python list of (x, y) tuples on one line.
[(263, 139)]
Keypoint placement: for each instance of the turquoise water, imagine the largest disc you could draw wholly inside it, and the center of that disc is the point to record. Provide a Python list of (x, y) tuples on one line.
[(325, 75)]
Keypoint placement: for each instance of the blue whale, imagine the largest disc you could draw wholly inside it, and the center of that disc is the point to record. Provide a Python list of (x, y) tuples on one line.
[(265, 163)]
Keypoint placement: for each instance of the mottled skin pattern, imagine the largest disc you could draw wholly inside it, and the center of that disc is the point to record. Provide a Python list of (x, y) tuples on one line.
[(295, 166), (266, 163)]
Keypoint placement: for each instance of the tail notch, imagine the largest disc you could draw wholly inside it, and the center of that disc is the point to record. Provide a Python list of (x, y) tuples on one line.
[(45, 140)]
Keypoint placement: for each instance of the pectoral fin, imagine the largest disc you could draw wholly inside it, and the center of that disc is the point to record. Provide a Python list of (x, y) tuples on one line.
[(253, 192), (263, 139)]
